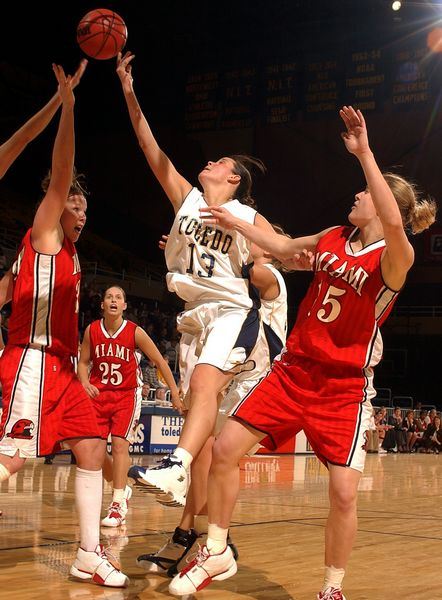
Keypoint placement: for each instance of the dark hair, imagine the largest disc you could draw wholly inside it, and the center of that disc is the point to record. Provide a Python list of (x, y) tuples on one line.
[(114, 286), (243, 166), (77, 186)]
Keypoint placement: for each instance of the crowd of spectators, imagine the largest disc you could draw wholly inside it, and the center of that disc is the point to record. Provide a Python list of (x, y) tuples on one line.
[(405, 431)]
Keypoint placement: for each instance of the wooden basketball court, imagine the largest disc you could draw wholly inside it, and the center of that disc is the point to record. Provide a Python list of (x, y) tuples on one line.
[(278, 528)]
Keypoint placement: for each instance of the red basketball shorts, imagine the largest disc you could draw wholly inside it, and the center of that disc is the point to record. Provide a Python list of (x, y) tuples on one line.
[(334, 412), (43, 403), (118, 412)]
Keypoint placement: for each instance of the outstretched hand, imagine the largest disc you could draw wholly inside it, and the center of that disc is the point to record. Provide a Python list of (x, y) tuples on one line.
[(76, 77), (124, 70), (217, 215), (355, 138), (302, 261), (64, 85)]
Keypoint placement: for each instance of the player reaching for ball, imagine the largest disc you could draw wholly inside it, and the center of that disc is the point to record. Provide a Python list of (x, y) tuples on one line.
[(15, 145), (209, 269), (323, 383), (43, 401)]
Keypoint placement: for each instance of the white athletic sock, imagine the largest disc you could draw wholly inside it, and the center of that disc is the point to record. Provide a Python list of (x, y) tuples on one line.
[(200, 524), (118, 496), (4, 473), (216, 538), (184, 456), (333, 578), (88, 496)]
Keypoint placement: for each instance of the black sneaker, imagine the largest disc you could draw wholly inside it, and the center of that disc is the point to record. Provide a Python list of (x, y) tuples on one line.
[(166, 559)]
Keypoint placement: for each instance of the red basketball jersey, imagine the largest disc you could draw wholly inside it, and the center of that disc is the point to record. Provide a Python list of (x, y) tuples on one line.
[(45, 298), (338, 321), (115, 365)]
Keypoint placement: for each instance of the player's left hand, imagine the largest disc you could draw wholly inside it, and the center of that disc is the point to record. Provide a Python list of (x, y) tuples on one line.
[(355, 138), (217, 215)]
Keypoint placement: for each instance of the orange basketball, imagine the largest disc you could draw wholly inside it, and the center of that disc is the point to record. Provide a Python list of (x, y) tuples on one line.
[(101, 33)]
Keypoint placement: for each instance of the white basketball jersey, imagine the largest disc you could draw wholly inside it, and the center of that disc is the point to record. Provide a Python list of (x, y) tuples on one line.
[(206, 262), (274, 312)]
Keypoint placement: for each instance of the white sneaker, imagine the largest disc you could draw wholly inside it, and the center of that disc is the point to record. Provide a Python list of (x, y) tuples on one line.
[(95, 567), (171, 500), (169, 476), (117, 511), (204, 569), (116, 515)]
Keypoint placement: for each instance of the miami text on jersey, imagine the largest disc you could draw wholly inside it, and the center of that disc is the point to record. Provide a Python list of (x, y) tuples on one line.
[(355, 276)]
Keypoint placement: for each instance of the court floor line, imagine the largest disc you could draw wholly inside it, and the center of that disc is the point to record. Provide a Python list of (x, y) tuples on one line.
[(301, 522)]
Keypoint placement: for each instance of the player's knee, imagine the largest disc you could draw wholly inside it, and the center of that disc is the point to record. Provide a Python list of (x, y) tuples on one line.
[(222, 456), (120, 447), (91, 455), (343, 498)]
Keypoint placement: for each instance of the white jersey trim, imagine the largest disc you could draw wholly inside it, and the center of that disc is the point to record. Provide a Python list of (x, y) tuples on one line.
[(374, 246), (116, 334), (44, 281)]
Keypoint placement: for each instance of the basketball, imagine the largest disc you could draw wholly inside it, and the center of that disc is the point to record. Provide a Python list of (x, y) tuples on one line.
[(101, 33)]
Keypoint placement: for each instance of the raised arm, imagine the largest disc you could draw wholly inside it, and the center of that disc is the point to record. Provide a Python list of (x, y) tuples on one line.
[(15, 145), (47, 235), (83, 365), (173, 183), (146, 345), (399, 254), (279, 246)]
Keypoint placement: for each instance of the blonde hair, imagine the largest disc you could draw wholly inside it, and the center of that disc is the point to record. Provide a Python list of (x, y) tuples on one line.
[(417, 213)]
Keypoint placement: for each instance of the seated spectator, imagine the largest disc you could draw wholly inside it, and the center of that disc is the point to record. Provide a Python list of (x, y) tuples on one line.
[(395, 438), (380, 420), (372, 435), (421, 426), (430, 416), (150, 378), (410, 428), (432, 438)]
